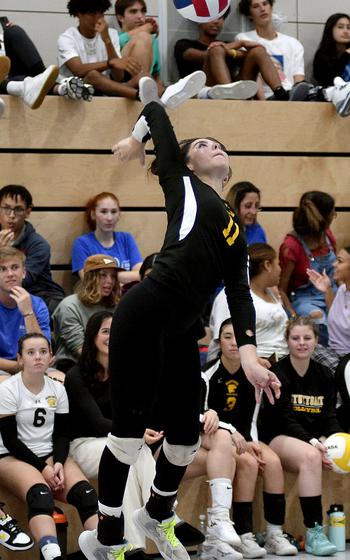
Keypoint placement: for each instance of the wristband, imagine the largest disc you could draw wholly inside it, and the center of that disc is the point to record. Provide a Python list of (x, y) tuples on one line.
[(28, 314), (233, 53), (314, 441)]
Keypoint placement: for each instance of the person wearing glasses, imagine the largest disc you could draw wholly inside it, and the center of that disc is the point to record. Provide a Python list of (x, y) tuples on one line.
[(16, 204)]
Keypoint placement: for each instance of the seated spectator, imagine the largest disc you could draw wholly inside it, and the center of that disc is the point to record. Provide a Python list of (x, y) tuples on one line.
[(92, 51), (287, 53), (102, 215), (34, 445), (331, 65), (332, 57), (20, 312), (298, 423), (310, 244), (16, 204), (338, 319), (23, 73), (245, 199), (230, 394), (139, 37), (97, 291), (231, 67)]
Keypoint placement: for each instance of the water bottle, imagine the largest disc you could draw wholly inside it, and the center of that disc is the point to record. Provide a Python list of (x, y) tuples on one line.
[(202, 527), (336, 528)]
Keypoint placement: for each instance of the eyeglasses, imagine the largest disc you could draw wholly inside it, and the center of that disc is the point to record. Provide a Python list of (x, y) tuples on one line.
[(17, 210)]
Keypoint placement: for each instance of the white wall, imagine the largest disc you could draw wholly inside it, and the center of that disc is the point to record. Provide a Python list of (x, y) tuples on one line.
[(44, 20)]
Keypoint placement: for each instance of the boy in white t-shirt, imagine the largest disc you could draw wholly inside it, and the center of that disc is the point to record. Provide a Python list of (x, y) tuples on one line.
[(286, 52), (288, 55)]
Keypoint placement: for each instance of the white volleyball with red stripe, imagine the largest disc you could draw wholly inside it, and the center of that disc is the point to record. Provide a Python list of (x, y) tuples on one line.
[(202, 11)]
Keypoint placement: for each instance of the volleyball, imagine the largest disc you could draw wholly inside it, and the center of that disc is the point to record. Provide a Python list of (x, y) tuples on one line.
[(201, 11), (338, 451)]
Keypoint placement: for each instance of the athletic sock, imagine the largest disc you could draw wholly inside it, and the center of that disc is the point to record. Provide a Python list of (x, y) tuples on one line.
[(49, 548), (312, 510), (168, 476), (274, 508), (110, 529), (242, 515), (204, 93), (221, 492)]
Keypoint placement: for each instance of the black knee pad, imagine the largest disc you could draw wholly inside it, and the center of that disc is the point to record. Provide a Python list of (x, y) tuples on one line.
[(83, 496), (39, 500)]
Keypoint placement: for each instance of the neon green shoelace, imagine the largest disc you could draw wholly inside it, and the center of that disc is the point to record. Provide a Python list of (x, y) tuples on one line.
[(119, 554), (168, 529)]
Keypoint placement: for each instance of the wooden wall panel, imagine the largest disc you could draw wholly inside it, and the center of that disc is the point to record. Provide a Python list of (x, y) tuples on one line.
[(277, 224), (70, 179), (240, 125), (61, 228)]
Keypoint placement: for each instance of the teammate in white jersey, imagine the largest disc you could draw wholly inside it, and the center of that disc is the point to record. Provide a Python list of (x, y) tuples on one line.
[(34, 446)]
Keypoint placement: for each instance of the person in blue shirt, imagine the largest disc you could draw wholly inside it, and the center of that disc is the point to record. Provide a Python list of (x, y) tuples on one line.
[(20, 312), (102, 214), (244, 198)]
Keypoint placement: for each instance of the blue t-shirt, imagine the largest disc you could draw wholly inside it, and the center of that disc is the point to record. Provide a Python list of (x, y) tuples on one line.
[(12, 326), (125, 251), (255, 234)]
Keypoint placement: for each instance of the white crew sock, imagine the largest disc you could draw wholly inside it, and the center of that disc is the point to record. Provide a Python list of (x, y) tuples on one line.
[(204, 93), (51, 551), (271, 528), (110, 511), (15, 88), (221, 492)]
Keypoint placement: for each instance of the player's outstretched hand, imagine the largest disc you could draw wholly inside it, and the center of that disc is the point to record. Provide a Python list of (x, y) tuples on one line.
[(129, 149)]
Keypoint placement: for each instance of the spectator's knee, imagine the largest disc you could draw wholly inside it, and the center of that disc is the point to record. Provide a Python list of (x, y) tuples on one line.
[(143, 38), (312, 460)]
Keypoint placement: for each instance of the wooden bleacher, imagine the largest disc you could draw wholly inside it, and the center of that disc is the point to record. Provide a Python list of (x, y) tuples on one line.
[(61, 153)]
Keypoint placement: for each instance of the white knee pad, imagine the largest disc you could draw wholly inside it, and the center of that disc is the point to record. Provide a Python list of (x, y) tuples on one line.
[(180, 455), (126, 450)]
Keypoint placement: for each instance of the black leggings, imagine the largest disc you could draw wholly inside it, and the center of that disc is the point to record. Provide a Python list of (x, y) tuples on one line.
[(154, 360), (24, 56)]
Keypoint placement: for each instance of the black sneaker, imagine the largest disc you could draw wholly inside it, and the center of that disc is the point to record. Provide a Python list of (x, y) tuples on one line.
[(300, 91), (11, 536)]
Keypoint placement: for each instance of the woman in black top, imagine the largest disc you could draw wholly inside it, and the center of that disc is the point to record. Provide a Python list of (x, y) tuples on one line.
[(332, 57), (203, 245), (296, 426)]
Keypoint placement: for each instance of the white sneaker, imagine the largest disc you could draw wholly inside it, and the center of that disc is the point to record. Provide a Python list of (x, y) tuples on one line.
[(35, 89), (339, 94), (221, 527), (278, 543), (94, 550), (5, 65), (244, 89), (184, 89), (148, 90), (214, 549), (250, 548), (75, 88), (162, 534)]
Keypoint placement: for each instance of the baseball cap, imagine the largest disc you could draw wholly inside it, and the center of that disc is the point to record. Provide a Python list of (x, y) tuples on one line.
[(95, 262)]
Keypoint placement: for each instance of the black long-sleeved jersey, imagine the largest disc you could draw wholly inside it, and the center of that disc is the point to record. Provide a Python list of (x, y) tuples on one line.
[(231, 396), (306, 408), (203, 243)]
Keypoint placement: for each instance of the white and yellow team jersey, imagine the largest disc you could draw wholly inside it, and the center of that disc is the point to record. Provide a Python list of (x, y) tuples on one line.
[(35, 414)]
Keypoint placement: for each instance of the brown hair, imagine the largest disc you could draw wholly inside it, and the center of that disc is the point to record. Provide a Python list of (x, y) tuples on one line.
[(258, 254), (312, 214), (92, 204), (7, 253), (88, 290), (300, 321), (244, 6), (238, 192), (121, 5), (185, 146)]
